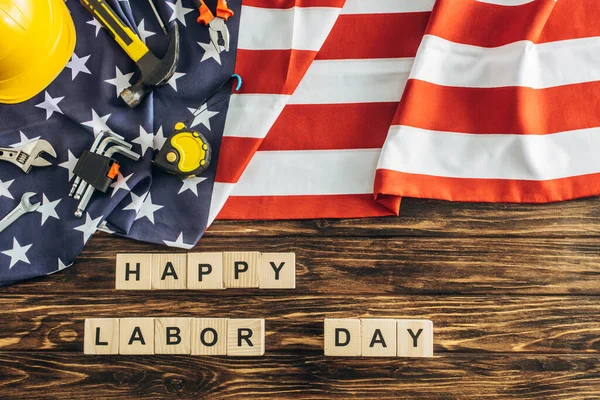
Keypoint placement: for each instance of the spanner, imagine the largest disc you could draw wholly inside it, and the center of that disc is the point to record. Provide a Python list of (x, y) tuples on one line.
[(24, 206)]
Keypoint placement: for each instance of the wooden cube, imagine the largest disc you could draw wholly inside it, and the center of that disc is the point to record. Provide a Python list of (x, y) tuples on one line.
[(101, 336), (205, 271), (169, 271), (277, 271), (415, 338), (136, 336), (134, 272), (378, 337), (246, 337), (240, 269), (209, 336), (342, 337), (172, 335)]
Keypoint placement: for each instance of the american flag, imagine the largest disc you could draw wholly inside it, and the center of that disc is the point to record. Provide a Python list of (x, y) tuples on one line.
[(346, 106)]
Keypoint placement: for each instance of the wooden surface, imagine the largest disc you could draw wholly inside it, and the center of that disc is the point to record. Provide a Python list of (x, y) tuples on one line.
[(513, 291)]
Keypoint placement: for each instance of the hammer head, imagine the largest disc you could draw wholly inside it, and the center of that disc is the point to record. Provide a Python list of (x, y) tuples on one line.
[(154, 71)]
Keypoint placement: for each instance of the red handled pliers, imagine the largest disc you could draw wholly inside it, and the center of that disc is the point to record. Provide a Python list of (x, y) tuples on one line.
[(216, 25)]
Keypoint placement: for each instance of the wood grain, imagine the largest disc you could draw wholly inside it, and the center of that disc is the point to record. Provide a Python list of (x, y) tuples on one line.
[(295, 323), (377, 265), (513, 292), (431, 218), (58, 375)]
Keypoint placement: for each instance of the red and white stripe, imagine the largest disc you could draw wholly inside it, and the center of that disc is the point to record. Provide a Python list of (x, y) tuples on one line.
[(501, 106), (324, 141)]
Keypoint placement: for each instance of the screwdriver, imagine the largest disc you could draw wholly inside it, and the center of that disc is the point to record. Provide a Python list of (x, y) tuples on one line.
[(160, 22)]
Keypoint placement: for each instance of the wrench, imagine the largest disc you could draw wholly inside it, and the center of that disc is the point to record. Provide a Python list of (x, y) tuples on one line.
[(24, 206), (28, 155)]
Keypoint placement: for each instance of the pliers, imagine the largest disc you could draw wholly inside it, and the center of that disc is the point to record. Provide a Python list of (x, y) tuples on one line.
[(216, 24)]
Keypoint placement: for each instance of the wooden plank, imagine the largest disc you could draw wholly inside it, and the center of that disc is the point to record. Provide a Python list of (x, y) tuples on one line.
[(59, 375), (501, 324), (419, 217), (377, 266)]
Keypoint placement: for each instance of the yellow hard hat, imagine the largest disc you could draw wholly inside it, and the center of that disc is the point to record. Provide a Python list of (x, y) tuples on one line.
[(37, 39)]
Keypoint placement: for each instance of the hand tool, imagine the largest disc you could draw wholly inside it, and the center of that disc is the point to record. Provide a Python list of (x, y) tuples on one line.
[(216, 25), (24, 207), (28, 155), (154, 71), (187, 152), (96, 169), (158, 18)]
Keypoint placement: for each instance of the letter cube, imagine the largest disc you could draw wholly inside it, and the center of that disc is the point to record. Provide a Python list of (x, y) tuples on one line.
[(342, 337), (209, 336), (240, 269), (415, 338), (246, 337), (205, 271), (172, 335), (101, 336), (136, 336), (134, 272), (378, 337), (169, 271), (277, 271)]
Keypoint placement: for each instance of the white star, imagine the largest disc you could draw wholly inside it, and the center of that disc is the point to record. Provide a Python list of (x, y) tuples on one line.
[(179, 243), (191, 183), (173, 80), (145, 140), (148, 209), (62, 265), (95, 24), (209, 52), (179, 11), (48, 208), (70, 164), (4, 188), (104, 228), (17, 253), (203, 116), (136, 202), (24, 140), (98, 123), (159, 139), (120, 183), (143, 33), (89, 227), (121, 81), (50, 104), (77, 65)]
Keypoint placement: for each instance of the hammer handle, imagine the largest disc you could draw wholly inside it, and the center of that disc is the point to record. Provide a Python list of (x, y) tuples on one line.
[(122, 34)]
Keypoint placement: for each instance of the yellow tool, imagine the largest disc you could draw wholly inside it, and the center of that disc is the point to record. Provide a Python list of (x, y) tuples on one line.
[(185, 153), (154, 71), (37, 38)]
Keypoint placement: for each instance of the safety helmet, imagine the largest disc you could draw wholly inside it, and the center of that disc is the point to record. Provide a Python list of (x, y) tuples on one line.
[(37, 39)]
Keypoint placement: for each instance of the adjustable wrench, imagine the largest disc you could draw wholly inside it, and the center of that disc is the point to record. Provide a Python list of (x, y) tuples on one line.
[(24, 206), (28, 155)]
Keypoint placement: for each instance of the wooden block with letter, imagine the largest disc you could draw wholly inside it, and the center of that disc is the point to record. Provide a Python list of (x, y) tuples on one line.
[(415, 338), (378, 337), (134, 272), (342, 337), (169, 271), (209, 336), (101, 336), (136, 336), (240, 269), (246, 337), (277, 271), (172, 335), (205, 271)]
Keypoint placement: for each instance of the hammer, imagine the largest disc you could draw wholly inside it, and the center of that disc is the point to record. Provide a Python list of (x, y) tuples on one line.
[(153, 71)]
